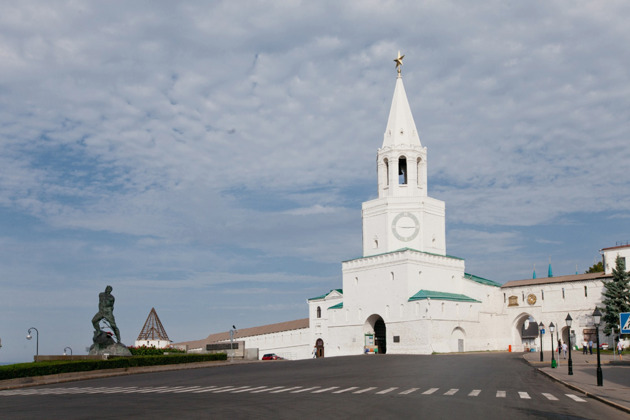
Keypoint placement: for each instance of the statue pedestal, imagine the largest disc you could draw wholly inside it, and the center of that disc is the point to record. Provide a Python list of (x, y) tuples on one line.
[(104, 344)]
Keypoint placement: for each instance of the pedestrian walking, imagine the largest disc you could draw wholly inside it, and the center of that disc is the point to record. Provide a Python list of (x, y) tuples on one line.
[(590, 346), (584, 347), (564, 350), (619, 348)]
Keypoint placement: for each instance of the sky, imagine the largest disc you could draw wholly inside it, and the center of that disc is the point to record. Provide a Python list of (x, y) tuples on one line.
[(209, 159)]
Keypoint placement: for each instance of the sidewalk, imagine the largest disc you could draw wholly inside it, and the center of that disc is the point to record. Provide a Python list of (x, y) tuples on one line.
[(616, 374)]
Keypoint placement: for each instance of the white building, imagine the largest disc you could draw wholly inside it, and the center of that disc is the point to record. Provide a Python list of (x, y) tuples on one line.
[(407, 295)]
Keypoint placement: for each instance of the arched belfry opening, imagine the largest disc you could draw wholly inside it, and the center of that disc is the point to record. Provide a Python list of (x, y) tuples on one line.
[(402, 170), (419, 172), (386, 162), (375, 325)]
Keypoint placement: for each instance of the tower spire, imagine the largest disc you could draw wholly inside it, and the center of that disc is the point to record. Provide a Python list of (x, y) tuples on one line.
[(401, 128)]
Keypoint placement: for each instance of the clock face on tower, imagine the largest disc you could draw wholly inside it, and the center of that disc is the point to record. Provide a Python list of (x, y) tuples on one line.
[(405, 226)]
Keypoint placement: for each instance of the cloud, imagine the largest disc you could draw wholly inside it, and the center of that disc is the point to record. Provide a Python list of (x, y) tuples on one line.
[(161, 145)]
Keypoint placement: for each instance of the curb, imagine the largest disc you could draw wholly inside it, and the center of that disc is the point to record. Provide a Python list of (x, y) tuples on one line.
[(588, 394), (613, 404)]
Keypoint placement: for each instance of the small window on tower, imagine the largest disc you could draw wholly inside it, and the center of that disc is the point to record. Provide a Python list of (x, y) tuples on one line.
[(402, 171), (319, 312), (419, 172), (386, 171)]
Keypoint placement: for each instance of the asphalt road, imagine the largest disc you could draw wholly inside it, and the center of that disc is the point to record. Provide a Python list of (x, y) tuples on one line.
[(462, 386)]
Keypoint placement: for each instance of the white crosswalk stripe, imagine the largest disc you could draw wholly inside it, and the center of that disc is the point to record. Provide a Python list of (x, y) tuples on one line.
[(409, 391), (524, 395), (474, 393), (500, 394), (205, 389), (266, 389), (285, 389), (341, 391), (387, 391), (248, 389), (549, 396), (305, 389), (451, 391), (430, 391), (229, 389), (575, 398), (319, 391), (361, 391)]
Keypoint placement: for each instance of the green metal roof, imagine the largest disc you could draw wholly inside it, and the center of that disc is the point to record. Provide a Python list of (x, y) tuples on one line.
[(403, 250), (430, 294), (481, 280), (337, 306), (326, 294)]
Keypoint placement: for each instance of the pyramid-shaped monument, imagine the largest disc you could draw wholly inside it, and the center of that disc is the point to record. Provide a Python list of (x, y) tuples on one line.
[(153, 332)]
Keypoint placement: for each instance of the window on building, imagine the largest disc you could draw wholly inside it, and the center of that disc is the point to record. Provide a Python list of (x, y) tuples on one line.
[(504, 298), (386, 171), (585, 291), (419, 172), (542, 294), (402, 170), (523, 294), (391, 275), (563, 293), (319, 312)]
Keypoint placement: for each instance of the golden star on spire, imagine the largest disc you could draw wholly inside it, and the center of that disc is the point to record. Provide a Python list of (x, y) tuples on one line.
[(398, 60)]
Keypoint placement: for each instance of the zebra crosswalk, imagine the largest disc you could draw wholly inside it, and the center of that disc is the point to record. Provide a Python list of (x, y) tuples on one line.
[(289, 389)]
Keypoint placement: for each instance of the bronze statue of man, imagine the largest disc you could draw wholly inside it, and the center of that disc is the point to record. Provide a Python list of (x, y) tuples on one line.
[(106, 312)]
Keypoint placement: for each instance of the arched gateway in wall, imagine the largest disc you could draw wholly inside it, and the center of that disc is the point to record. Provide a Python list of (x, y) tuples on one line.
[(319, 348), (525, 333), (375, 325)]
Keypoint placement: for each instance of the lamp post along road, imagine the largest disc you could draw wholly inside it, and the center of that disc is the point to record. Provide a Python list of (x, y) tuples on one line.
[(553, 359), (67, 348), (232, 332), (597, 317), (29, 336), (541, 328), (569, 322)]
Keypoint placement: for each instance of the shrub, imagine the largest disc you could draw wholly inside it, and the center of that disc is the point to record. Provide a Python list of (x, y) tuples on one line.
[(23, 370), (153, 351)]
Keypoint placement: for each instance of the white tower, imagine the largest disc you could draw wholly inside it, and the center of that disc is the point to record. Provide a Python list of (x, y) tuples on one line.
[(402, 216)]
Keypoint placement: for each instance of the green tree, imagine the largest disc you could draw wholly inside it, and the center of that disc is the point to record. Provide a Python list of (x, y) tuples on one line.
[(616, 296), (595, 268)]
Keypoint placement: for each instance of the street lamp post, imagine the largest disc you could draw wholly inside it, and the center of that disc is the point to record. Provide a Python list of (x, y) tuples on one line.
[(569, 322), (29, 336), (597, 317), (541, 329), (67, 348), (232, 332), (553, 359)]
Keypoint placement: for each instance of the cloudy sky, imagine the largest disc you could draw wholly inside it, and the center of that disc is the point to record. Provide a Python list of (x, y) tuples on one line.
[(209, 159)]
